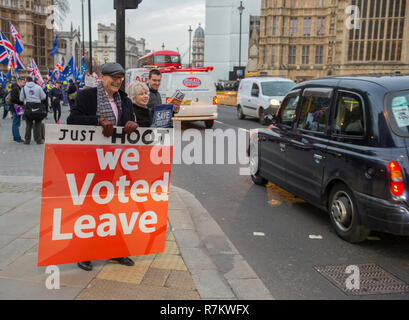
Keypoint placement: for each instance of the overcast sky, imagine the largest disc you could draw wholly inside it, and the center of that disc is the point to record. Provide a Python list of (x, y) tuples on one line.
[(157, 21)]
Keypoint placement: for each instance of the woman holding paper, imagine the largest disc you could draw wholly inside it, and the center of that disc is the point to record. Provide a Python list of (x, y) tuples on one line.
[(138, 92)]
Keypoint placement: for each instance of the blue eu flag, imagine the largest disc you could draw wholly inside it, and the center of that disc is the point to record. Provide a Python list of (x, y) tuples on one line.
[(69, 69), (55, 47)]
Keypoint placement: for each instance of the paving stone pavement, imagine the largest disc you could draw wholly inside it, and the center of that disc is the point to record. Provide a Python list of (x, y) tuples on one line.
[(199, 261)]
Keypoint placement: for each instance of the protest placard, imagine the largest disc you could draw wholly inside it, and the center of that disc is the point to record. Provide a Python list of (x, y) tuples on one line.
[(177, 98), (90, 82), (103, 197), (162, 116)]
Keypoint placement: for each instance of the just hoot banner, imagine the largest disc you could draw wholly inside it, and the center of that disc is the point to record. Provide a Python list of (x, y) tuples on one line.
[(103, 197)]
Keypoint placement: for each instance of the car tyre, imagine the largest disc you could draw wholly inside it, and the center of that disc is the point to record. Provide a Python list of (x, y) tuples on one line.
[(209, 124), (261, 116), (344, 215), (255, 168), (240, 114)]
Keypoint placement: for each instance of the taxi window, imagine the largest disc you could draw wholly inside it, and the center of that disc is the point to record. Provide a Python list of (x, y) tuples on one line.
[(315, 110), (349, 116), (397, 108), (287, 112)]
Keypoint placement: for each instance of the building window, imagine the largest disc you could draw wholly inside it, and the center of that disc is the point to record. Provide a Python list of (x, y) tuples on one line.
[(272, 56), (292, 53), (293, 27), (381, 33), (307, 27), (274, 33), (319, 54), (321, 26), (305, 54), (40, 48)]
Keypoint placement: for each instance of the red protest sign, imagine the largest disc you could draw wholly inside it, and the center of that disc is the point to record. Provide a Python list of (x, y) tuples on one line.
[(103, 197)]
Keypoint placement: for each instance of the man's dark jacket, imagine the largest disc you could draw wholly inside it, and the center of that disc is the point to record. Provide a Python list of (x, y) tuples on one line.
[(15, 97), (84, 109), (58, 94), (154, 100)]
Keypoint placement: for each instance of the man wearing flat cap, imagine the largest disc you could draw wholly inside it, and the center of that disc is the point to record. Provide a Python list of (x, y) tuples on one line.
[(107, 106)]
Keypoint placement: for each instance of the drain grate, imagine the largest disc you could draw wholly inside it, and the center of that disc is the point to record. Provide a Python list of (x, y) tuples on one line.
[(363, 279)]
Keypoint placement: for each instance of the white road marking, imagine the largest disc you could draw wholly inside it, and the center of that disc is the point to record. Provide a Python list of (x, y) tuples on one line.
[(315, 237), (219, 122), (259, 234)]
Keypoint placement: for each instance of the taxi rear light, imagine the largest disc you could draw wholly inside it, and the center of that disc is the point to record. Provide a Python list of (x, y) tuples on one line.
[(397, 184), (215, 100)]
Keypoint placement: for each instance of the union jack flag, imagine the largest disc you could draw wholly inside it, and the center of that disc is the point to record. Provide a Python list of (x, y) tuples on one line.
[(4, 56), (35, 72), (12, 54), (20, 64), (59, 67), (17, 39), (14, 59)]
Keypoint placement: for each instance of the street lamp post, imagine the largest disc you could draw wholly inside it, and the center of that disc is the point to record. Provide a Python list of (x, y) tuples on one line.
[(121, 6), (83, 30), (90, 37), (190, 45), (241, 9), (120, 32)]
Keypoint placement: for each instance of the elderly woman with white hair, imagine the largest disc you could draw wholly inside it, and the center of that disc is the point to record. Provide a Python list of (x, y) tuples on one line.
[(138, 92)]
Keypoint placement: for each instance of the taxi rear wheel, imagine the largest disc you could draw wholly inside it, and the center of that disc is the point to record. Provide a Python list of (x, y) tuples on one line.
[(255, 168), (344, 215)]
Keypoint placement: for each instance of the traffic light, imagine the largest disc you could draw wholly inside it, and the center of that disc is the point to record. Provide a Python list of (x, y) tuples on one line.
[(129, 4)]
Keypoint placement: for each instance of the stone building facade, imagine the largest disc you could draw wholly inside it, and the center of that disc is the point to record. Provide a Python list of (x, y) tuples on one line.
[(307, 39), (198, 47), (69, 45), (29, 17), (104, 49), (254, 33)]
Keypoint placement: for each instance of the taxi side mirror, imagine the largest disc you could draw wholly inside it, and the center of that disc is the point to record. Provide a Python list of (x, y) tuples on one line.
[(269, 119)]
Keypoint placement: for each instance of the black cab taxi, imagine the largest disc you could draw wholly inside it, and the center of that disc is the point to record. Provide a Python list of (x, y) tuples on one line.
[(342, 144)]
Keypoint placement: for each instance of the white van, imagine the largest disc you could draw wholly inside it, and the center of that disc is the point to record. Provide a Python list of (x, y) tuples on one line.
[(257, 94), (200, 103), (138, 74)]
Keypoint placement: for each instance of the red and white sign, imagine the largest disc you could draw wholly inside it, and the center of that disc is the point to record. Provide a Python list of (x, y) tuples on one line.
[(192, 82), (103, 197)]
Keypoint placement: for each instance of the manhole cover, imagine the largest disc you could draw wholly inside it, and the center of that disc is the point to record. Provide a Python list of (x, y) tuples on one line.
[(363, 279)]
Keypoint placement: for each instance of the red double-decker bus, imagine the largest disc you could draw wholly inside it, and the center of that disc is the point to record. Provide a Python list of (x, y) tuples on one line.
[(160, 59)]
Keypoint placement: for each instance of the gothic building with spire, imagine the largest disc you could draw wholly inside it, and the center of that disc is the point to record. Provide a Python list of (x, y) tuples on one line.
[(69, 45)]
